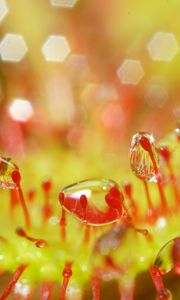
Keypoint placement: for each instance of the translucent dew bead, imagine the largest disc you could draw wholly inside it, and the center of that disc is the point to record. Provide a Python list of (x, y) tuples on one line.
[(169, 257), (143, 156), (96, 202)]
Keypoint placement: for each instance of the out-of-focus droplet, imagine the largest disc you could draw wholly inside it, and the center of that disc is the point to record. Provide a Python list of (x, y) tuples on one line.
[(130, 72), (20, 110), (3, 9), (140, 159), (7, 167), (22, 289), (56, 48), (164, 295), (103, 201), (163, 46), (12, 48), (176, 255), (111, 239)]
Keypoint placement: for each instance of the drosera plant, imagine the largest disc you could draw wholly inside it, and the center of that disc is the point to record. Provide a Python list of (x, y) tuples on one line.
[(88, 237)]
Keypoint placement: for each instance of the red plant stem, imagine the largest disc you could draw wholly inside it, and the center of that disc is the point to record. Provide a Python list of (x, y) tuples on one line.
[(47, 210), (13, 281), (147, 195), (96, 288), (67, 273), (147, 146), (109, 262), (24, 207), (128, 191), (173, 179), (13, 200), (157, 278), (63, 224), (159, 182), (87, 234), (16, 177), (40, 243), (46, 292)]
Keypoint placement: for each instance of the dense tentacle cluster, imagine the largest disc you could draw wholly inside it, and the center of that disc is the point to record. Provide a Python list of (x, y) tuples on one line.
[(91, 238)]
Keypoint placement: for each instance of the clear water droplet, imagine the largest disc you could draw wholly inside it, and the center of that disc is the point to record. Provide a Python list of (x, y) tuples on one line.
[(164, 295), (176, 255), (142, 150), (100, 194), (7, 166), (164, 259)]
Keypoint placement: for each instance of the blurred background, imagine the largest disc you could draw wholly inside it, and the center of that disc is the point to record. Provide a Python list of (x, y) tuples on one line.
[(87, 74)]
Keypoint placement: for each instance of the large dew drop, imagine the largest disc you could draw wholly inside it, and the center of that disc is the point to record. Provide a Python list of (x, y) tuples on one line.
[(96, 202), (143, 156), (6, 169)]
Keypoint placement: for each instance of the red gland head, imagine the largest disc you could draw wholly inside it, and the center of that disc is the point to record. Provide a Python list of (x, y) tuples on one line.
[(145, 143), (47, 185), (16, 177), (83, 201), (128, 189), (20, 232), (114, 198), (67, 272)]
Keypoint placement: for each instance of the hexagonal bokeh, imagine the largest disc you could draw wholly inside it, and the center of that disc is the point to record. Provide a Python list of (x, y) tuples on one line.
[(3, 9), (130, 72), (64, 3), (12, 47), (163, 46), (56, 48)]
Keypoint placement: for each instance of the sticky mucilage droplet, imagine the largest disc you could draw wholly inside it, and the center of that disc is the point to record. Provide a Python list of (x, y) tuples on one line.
[(168, 257), (95, 202), (142, 145)]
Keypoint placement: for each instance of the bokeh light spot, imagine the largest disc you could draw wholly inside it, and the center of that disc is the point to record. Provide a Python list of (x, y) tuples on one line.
[(13, 47), (163, 46), (106, 92), (64, 3), (130, 72), (20, 110), (3, 9), (156, 95), (56, 48)]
